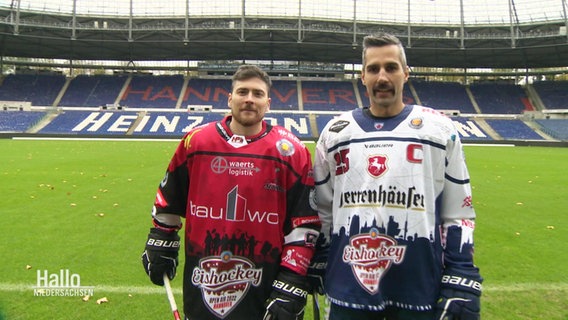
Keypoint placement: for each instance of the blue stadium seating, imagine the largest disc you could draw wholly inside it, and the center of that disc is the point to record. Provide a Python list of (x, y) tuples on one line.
[(500, 98), (553, 93), (40, 90), (92, 91), (147, 91), (174, 124), (469, 130), (557, 128), (90, 122), (19, 121), (162, 92), (284, 95), (328, 96), (443, 96), (513, 129), (213, 92)]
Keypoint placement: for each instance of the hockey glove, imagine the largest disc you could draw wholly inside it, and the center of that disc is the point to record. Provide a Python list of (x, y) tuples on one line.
[(288, 297), (316, 273), (459, 299), (161, 255)]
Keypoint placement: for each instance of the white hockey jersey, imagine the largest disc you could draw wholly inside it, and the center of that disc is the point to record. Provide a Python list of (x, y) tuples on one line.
[(394, 198)]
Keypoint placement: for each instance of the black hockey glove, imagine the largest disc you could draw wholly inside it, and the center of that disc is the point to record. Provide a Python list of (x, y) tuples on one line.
[(288, 297), (161, 255), (459, 299), (316, 272)]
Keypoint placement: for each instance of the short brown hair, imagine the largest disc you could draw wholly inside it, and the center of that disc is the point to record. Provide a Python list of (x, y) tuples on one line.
[(247, 71)]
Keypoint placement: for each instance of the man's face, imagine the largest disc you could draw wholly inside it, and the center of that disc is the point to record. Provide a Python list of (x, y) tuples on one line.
[(384, 76), (249, 101)]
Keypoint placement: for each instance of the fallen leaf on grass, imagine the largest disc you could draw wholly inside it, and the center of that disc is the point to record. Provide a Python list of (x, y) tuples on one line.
[(102, 300)]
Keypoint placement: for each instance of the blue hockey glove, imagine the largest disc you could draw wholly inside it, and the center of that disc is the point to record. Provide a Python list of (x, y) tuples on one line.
[(161, 255), (288, 297), (459, 299)]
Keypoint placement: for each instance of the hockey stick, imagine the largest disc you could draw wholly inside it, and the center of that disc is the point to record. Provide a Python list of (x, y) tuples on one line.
[(315, 305), (171, 297)]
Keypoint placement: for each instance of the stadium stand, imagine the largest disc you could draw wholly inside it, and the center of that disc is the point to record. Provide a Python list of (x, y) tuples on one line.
[(39, 89), (443, 95), (88, 122), (328, 95), (149, 91), (19, 121), (500, 98), (212, 92), (557, 128), (513, 129), (92, 91), (284, 95), (159, 105), (172, 124), (553, 93)]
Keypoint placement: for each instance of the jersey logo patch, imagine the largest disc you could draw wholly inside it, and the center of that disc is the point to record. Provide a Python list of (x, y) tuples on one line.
[(224, 281), (285, 147), (338, 126), (416, 123), (370, 256), (377, 165), (237, 141)]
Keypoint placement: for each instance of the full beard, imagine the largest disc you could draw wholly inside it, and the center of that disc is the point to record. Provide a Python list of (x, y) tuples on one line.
[(247, 118)]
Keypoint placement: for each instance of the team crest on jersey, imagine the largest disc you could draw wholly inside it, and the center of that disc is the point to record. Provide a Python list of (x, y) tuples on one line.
[(285, 147), (370, 256), (377, 165), (379, 125), (224, 281)]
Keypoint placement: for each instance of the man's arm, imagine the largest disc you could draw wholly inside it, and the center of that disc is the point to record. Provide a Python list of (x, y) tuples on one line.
[(301, 230), (461, 281)]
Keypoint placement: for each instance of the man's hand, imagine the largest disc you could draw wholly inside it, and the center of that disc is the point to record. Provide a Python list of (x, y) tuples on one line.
[(459, 298), (288, 297), (161, 255)]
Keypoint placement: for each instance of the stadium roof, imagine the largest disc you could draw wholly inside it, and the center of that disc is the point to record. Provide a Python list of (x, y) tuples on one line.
[(437, 33)]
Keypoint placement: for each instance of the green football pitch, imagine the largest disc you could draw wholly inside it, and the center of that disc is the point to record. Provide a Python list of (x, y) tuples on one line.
[(79, 211)]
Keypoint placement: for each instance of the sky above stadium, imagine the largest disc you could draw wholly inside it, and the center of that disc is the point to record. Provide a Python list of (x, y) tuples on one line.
[(399, 11)]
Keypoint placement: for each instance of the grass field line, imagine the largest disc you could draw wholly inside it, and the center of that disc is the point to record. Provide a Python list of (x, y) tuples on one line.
[(152, 289)]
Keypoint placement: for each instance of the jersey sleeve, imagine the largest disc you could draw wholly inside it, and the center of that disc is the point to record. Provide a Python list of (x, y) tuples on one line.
[(458, 214), (324, 187), (171, 196), (302, 227)]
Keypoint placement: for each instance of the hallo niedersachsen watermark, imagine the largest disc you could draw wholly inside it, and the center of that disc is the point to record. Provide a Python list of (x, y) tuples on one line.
[(61, 284)]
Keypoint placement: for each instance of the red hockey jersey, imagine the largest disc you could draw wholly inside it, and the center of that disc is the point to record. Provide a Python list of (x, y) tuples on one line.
[(247, 211)]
